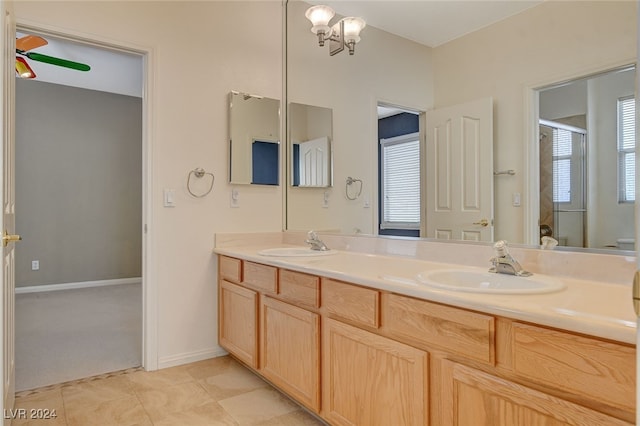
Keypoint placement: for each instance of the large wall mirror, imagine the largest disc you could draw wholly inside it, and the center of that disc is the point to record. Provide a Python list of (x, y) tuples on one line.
[(587, 160), (526, 47), (254, 139)]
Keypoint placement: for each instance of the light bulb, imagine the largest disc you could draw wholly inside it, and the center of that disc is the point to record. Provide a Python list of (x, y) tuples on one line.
[(352, 28), (320, 16)]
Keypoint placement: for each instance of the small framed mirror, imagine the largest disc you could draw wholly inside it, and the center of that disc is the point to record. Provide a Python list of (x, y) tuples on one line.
[(254, 139), (310, 133)]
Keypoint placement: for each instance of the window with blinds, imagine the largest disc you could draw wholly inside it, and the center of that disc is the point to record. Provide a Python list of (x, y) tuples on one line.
[(562, 150), (626, 149), (400, 185)]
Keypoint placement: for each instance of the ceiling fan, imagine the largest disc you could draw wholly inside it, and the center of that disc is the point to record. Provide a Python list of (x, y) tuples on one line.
[(25, 44)]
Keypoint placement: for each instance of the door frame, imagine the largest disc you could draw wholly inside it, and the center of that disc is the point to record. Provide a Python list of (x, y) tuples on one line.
[(149, 287)]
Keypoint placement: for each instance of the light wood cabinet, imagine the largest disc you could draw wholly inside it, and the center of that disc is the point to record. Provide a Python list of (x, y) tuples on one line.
[(238, 322), (261, 277), (605, 371), (299, 288), (360, 356), (290, 350), (371, 380), (472, 397), (230, 269), (351, 302), (455, 330)]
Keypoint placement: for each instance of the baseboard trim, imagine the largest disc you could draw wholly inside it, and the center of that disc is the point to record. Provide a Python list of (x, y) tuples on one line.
[(72, 286), (189, 357)]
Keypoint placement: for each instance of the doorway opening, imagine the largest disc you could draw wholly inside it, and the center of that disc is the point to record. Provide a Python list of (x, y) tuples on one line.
[(399, 176), (79, 203)]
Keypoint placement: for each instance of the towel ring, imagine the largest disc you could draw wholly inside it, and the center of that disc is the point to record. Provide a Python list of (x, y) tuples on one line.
[(351, 181), (200, 173)]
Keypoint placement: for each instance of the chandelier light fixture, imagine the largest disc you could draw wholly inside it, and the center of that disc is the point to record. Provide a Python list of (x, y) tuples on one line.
[(345, 32)]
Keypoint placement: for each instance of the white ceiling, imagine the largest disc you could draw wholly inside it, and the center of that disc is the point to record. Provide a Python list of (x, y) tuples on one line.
[(429, 22)]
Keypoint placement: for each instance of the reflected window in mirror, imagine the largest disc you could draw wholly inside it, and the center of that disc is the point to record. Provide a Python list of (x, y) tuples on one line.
[(254, 139), (310, 133), (627, 149), (399, 172), (587, 160)]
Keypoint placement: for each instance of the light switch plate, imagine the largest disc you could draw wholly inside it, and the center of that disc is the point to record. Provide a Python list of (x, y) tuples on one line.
[(169, 197)]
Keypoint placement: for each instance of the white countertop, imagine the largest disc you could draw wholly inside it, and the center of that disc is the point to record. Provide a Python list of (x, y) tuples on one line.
[(589, 307)]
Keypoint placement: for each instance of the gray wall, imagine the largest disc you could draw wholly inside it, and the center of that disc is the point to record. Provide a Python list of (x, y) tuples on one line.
[(78, 184)]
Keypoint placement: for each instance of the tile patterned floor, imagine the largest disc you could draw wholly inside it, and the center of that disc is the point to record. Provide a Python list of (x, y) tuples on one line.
[(218, 391)]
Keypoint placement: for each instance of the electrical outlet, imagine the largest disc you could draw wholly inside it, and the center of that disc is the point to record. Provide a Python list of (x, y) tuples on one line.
[(325, 199), (35, 265)]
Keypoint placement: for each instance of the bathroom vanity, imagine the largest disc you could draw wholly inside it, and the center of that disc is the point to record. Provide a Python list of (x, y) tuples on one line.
[(356, 342)]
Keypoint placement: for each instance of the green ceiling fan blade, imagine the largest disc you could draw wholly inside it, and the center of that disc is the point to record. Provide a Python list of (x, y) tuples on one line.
[(56, 61)]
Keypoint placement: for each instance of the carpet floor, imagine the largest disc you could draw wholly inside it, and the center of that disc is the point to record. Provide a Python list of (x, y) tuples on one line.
[(71, 334)]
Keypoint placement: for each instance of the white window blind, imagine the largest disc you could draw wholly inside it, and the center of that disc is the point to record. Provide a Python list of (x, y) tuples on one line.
[(562, 150), (626, 150), (400, 173)]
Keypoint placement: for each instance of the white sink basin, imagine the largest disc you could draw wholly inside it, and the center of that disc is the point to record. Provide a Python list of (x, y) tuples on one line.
[(294, 252), (486, 282)]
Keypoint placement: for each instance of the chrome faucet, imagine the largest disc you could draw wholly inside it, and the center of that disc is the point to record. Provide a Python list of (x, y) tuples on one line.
[(504, 263), (315, 242)]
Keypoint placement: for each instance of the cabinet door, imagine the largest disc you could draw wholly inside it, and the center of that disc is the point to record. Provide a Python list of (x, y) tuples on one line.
[(238, 322), (474, 398), (369, 380), (290, 350)]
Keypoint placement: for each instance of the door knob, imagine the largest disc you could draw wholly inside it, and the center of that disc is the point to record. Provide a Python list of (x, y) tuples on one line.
[(6, 238), (483, 222)]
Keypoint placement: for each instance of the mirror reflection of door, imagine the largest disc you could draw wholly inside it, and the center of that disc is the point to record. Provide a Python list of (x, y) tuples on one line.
[(312, 162), (459, 171), (310, 134)]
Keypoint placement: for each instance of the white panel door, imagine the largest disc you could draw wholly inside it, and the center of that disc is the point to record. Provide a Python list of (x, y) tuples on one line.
[(314, 162), (7, 93), (459, 175)]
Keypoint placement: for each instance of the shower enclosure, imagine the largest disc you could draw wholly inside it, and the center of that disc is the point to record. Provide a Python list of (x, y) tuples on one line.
[(563, 183)]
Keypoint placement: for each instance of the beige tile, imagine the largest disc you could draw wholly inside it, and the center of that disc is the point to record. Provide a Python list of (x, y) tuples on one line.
[(51, 399), (95, 392), (234, 381), (127, 411), (258, 406), (295, 418), (27, 417), (144, 380), (32, 409), (210, 367), (162, 402), (210, 414)]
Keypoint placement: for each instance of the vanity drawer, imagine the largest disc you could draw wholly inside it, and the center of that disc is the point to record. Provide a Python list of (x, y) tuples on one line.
[(459, 331), (261, 277), (351, 302), (230, 268), (582, 365), (300, 288)]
